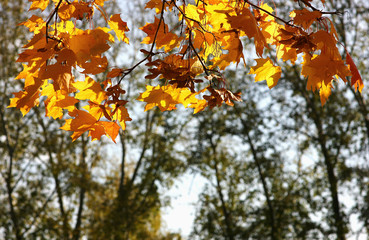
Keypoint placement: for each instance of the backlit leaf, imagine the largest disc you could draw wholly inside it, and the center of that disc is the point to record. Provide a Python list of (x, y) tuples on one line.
[(265, 70), (89, 89), (164, 38), (57, 101), (166, 97), (119, 27), (304, 17), (356, 79), (39, 4), (29, 98)]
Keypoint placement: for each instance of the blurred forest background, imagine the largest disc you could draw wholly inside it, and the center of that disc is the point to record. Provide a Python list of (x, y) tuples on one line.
[(277, 165)]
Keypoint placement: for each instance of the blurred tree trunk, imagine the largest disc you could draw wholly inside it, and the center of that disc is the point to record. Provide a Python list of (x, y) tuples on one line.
[(330, 160)]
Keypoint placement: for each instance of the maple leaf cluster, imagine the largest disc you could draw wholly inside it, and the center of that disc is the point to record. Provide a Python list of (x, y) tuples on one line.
[(207, 39)]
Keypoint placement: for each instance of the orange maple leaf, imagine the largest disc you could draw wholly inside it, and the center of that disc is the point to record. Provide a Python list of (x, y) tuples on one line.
[(95, 66), (66, 57), (121, 115), (75, 10), (27, 99), (246, 22), (320, 70), (119, 27), (38, 52), (101, 128), (296, 38), (111, 129), (218, 96), (164, 38), (234, 46), (356, 79), (83, 121), (66, 11), (326, 42), (61, 76), (158, 5), (89, 43), (115, 72), (304, 17)]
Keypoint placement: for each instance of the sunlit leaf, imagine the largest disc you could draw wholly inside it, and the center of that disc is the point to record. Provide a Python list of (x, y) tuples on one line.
[(265, 70), (356, 79), (119, 27), (39, 4), (305, 17), (89, 89)]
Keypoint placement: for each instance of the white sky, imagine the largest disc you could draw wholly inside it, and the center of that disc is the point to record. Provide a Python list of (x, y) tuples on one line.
[(184, 195)]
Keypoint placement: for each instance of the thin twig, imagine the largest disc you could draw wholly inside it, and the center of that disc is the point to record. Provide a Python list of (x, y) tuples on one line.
[(151, 53), (197, 55), (51, 17)]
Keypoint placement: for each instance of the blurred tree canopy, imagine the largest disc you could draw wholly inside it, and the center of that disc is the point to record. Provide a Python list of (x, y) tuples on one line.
[(276, 166)]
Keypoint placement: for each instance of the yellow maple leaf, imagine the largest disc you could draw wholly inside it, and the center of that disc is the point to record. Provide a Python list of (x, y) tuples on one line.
[(166, 97), (270, 30), (57, 101), (39, 4), (286, 53), (199, 106), (325, 91), (158, 96), (100, 2), (34, 24), (234, 48), (90, 89), (269, 9), (26, 73), (96, 110), (265, 70), (66, 11), (119, 27)]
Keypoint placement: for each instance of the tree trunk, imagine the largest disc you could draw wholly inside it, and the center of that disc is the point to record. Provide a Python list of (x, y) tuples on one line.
[(329, 165)]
